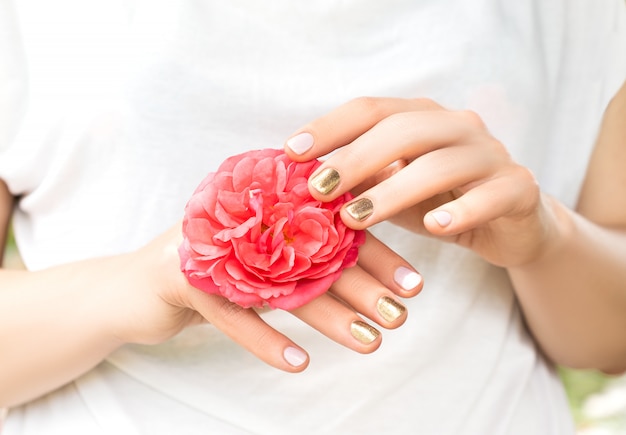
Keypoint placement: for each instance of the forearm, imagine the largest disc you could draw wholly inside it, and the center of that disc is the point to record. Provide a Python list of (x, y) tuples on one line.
[(54, 326), (574, 296)]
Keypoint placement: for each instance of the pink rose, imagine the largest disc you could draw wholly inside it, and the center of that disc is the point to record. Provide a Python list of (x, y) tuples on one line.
[(254, 234)]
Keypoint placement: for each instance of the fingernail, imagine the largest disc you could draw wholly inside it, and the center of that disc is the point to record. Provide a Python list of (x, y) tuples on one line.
[(300, 143), (326, 181), (389, 309), (363, 332), (407, 278), (294, 356), (443, 218), (360, 209)]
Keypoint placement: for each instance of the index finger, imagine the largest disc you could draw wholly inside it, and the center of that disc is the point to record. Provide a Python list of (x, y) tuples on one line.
[(245, 327), (346, 123), (368, 134)]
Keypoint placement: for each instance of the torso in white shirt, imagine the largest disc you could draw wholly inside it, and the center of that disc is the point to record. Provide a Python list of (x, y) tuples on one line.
[(130, 104)]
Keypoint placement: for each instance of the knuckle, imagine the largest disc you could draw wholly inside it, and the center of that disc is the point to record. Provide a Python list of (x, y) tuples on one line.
[(528, 189), (402, 124), (320, 310), (229, 311), (353, 157), (526, 176), (265, 340), (327, 312), (424, 103), (493, 150), (356, 284), (472, 119), (401, 120), (374, 107)]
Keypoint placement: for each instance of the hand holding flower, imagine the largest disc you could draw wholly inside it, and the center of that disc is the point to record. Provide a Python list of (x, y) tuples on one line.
[(247, 237)]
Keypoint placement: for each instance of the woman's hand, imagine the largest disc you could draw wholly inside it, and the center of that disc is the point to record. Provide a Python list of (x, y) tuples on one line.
[(165, 304), (80, 312), (431, 170), (440, 173)]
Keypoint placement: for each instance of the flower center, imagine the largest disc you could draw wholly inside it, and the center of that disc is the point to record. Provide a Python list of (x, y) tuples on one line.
[(287, 235), (288, 239)]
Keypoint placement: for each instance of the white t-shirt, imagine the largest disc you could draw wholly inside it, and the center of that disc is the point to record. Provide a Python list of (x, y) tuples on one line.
[(129, 104)]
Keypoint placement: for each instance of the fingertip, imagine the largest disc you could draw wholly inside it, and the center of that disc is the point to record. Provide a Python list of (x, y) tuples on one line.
[(358, 214), (296, 358), (392, 313), (299, 144), (442, 217), (360, 209), (323, 183), (438, 221), (368, 338), (409, 281)]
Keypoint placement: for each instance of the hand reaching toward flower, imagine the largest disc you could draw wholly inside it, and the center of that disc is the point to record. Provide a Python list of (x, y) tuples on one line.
[(440, 173), (433, 171)]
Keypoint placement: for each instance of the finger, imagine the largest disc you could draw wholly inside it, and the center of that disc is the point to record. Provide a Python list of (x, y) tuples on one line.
[(391, 270), (340, 323), (370, 297), (500, 196), (245, 327), (369, 289), (347, 122), (436, 172), (380, 176), (400, 136)]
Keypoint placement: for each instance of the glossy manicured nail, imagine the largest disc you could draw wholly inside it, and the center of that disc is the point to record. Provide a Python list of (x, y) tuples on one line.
[(300, 143), (443, 218), (407, 278), (389, 309), (363, 332), (360, 209), (294, 356), (326, 181)]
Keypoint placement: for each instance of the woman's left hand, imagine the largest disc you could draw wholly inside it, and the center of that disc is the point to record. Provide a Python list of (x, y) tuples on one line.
[(428, 169)]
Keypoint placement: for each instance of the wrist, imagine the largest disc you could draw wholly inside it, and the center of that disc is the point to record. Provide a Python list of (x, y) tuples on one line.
[(556, 227), (150, 302)]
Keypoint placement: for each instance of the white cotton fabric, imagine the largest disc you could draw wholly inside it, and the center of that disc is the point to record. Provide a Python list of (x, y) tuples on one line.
[(128, 104)]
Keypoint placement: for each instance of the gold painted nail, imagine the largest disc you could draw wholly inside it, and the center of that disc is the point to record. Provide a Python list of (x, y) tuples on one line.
[(389, 309), (326, 181), (360, 209), (363, 332)]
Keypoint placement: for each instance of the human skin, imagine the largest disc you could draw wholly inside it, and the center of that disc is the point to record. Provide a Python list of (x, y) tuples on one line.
[(568, 267), (57, 323)]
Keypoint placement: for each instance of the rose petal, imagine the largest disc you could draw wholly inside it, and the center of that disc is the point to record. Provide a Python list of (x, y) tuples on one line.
[(242, 174), (253, 233), (305, 292)]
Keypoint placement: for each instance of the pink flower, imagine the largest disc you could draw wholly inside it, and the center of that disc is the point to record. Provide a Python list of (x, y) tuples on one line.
[(254, 234)]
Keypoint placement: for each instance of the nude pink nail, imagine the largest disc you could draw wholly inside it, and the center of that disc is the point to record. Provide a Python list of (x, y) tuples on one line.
[(300, 143)]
